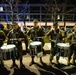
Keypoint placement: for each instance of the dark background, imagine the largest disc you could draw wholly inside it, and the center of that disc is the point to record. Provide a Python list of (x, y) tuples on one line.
[(42, 1)]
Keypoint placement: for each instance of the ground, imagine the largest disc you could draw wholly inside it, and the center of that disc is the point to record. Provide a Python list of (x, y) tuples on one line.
[(39, 68)]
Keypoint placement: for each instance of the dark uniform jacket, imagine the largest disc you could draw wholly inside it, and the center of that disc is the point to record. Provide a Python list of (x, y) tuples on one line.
[(56, 35), (71, 38), (36, 32), (2, 37), (13, 37)]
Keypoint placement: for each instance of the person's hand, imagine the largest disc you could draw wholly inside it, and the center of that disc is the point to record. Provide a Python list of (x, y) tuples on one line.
[(19, 39)]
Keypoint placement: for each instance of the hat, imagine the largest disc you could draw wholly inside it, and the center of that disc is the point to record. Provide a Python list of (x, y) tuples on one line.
[(35, 21), (14, 23), (55, 23)]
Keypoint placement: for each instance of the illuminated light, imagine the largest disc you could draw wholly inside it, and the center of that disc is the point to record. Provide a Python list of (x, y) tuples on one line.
[(58, 17), (27, 17), (1, 8)]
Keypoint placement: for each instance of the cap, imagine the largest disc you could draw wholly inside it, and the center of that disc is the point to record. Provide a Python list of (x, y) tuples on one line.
[(35, 21), (15, 23), (55, 23)]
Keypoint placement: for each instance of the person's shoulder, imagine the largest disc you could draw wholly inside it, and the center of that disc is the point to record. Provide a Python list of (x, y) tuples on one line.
[(32, 28), (70, 34), (1, 30), (61, 30), (51, 30), (41, 27), (10, 31)]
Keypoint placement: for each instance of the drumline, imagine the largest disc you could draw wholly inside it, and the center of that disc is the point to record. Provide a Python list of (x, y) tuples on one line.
[(9, 51), (34, 46)]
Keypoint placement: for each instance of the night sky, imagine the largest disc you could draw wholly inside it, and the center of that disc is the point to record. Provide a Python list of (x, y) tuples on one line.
[(42, 1), (24, 1), (49, 1), (33, 1)]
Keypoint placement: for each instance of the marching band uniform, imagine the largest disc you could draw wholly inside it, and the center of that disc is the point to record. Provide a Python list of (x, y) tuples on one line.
[(34, 33), (72, 40), (2, 39), (56, 35), (17, 37)]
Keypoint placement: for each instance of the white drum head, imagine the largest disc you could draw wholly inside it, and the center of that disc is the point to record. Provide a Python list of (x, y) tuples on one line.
[(63, 45), (7, 46), (35, 43)]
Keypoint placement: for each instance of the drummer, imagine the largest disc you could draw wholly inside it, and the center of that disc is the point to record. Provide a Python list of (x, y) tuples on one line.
[(2, 39), (36, 34), (72, 40), (15, 36), (56, 35)]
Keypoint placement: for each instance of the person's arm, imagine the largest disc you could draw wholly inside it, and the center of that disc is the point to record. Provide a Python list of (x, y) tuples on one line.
[(48, 33), (3, 36), (69, 37)]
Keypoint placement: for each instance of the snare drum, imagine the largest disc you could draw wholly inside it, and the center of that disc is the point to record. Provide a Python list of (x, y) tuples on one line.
[(36, 48), (8, 51), (64, 47)]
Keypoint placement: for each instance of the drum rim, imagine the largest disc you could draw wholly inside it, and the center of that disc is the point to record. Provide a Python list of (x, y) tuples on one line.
[(35, 43), (12, 46), (64, 44)]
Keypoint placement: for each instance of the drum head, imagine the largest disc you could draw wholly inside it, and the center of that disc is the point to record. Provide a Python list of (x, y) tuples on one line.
[(35, 43), (6, 47), (63, 44)]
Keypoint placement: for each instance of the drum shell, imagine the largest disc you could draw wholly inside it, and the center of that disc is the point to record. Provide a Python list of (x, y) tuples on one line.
[(64, 49), (36, 50), (8, 53)]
